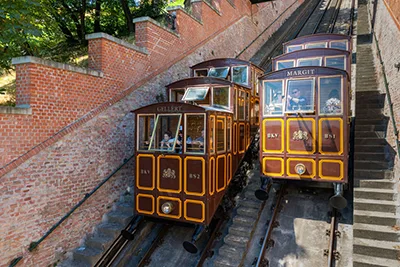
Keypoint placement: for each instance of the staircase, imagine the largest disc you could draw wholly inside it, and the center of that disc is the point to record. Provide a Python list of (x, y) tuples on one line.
[(376, 229), (98, 242)]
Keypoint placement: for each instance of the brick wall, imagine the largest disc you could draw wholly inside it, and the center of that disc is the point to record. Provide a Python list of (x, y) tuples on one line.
[(388, 34), (84, 117)]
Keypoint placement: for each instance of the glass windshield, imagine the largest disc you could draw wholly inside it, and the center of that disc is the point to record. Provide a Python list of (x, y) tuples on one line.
[(144, 131), (330, 96), (239, 75), (165, 132), (294, 48), (194, 133), (273, 98), (200, 73), (280, 65), (316, 45), (300, 96), (309, 62), (335, 62), (221, 97), (342, 45), (219, 72), (195, 94)]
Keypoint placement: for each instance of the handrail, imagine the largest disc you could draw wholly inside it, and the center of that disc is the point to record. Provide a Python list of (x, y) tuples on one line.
[(34, 244), (389, 99)]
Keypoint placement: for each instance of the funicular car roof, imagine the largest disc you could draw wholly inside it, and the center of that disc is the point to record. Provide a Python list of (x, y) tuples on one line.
[(318, 37), (312, 52), (176, 107), (319, 71), (223, 62)]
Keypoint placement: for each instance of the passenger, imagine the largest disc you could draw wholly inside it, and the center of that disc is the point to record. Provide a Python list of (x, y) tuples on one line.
[(179, 142), (296, 101), (199, 140), (333, 104), (168, 141)]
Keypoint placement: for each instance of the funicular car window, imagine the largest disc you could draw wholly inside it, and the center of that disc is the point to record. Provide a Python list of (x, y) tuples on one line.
[(240, 75), (176, 95), (200, 73), (219, 72), (280, 65), (273, 98), (247, 106), (212, 129), (300, 96), (165, 132), (304, 62), (256, 118), (335, 62), (194, 133), (195, 94), (221, 134), (145, 126), (293, 48), (221, 97), (241, 104), (228, 129), (316, 45), (330, 96), (342, 45)]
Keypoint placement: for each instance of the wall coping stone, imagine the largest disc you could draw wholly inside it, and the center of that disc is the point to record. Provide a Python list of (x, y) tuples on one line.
[(22, 110), (176, 8), (213, 8), (98, 35), (53, 64), (143, 19)]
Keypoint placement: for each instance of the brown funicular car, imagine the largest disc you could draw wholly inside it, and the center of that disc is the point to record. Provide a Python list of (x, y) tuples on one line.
[(321, 40)]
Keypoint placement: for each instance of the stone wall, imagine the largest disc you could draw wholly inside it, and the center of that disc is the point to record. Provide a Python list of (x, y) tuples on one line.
[(388, 34), (80, 127)]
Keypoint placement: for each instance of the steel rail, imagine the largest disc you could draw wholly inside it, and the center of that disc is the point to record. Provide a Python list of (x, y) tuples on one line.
[(332, 240), (120, 242), (264, 247), (205, 253), (318, 24), (156, 242), (335, 16)]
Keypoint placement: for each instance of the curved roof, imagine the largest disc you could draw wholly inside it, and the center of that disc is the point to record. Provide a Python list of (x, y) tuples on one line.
[(223, 62), (312, 52), (169, 107), (318, 37)]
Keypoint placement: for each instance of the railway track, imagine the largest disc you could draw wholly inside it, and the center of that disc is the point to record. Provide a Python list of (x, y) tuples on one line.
[(154, 241)]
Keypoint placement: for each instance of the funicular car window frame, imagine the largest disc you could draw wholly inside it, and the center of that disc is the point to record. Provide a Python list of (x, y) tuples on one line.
[(185, 134), (335, 57), (190, 89), (247, 74), (287, 82), (309, 58), (229, 97), (341, 95), (223, 120), (289, 47), (172, 91), (339, 41), (213, 69), (282, 97), (307, 46), (285, 61), (197, 70), (175, 136), (138, 133)]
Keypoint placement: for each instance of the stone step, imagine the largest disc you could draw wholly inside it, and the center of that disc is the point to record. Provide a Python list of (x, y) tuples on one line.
[(369, 148), (119, 217), (375, 205), (124, 207), (249, 195), (369, 261), (369, 141), (74, 263), (374, 217), (361, 106), (244, 220), (377, 115), (369, 156), (240, 230), (376, 248), (374, 193), (99, 241), (376, 232), (371, 94), (373, 174), (371, 122), (364, 128), (87, 255), (250, 203), (370, 134), (236, 241), (110, 229), (222, 261), (370, 165), (249, 212), (235, 253), (382, 184)]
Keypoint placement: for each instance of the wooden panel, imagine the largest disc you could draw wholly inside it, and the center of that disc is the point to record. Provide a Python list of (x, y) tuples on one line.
[(331, 169), (300, 135), (145, 204), (273, 135), (176, 202), (169, 174), (194, 210), (293, 165), (272, 166), (194, 178), (331, 136), (145, 172)]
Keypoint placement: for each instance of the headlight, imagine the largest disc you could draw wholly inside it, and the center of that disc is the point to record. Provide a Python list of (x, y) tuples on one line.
[(167, 207)]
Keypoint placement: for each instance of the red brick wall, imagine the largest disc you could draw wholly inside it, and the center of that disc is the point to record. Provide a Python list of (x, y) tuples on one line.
[(93, 127)]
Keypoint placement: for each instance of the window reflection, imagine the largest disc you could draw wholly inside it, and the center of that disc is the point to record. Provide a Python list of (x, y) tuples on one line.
[(309, 62), (195, 94), (285, 64), (335, 62), (195, 133), (293, 48), (165, 133), (300, 96), (330, 96), (316, 45), (221, 97), (273, 98), (240, 75), (219, 72), (342, 45)]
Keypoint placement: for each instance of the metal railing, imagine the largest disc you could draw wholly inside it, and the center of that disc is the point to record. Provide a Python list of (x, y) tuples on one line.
[(34, 244)]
